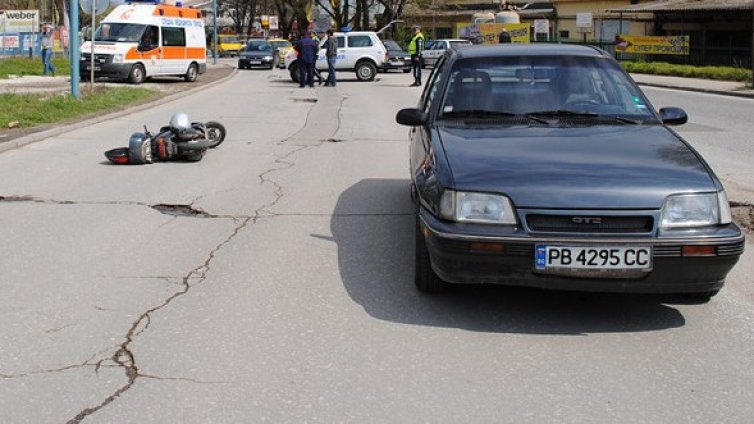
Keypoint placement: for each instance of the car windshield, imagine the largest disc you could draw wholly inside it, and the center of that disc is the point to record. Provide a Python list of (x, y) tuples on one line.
[(111, 31), (281, 43), (258, 46), (229, 40), (544, 86), (391, 45)]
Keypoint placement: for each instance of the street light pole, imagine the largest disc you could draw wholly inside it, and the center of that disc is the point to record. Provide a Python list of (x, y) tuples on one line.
[(73, 48), (214, 32)]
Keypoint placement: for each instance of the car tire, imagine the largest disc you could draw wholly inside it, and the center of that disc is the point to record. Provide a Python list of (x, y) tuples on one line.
[(365, 71), (425, 278), (137, 74), (293, 69), (192, 73)]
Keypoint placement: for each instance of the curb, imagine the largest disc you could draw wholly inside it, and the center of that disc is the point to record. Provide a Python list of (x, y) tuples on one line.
[(742, 94), (61, 128)]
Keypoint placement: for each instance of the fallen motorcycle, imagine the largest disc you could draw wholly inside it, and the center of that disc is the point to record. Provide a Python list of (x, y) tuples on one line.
[(180, 140)]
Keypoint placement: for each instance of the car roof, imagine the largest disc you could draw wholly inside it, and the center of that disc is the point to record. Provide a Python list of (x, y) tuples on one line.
[(523, 49)]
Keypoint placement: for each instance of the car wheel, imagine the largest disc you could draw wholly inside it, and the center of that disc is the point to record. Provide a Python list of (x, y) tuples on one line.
[(293, 69), (425, 278), (191, 74), (137, 74), (365, 71)]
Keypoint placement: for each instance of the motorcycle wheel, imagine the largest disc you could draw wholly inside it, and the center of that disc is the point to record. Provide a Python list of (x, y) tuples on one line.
[(119, 155), (215, 133), (140, 150)]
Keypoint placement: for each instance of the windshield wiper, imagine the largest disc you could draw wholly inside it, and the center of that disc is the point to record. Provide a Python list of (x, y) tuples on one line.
[(570, 113), (475, 113)]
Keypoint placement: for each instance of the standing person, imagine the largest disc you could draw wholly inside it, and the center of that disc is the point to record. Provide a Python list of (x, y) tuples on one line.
[(307, 57), (504, 37), (331, 52), (415, 49), (47, 51)]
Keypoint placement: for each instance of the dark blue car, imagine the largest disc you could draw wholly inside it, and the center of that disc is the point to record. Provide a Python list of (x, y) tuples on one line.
[(257, 53), (546, 166)]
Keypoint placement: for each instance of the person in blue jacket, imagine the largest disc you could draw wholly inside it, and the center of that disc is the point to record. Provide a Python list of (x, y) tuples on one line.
[(307, 57)]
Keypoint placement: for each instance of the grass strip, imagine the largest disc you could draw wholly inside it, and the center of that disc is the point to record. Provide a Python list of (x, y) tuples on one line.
[(721, 73), (29, 110), (24, 65)]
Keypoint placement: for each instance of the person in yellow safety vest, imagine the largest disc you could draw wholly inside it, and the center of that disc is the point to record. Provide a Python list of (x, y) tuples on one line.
[(415, 49)]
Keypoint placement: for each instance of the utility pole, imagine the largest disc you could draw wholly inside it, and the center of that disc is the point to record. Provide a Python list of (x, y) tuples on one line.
[(73, 48)]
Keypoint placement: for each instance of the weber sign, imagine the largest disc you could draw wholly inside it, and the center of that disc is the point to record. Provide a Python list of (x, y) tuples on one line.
[(15, 21)]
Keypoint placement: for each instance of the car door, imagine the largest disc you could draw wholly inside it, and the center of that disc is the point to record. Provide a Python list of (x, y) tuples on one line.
[(433, 54), (356, 46), (420, 148), (341, 57), (150, 50), (174, 60)]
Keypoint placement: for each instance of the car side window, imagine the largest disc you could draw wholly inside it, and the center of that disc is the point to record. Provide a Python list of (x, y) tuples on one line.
[(173, 36), (341, 42), (433, 89), (359, 41)]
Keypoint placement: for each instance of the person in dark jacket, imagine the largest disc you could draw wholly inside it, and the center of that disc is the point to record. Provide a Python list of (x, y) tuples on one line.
[(331, 51), (504, 37), (307, 57)]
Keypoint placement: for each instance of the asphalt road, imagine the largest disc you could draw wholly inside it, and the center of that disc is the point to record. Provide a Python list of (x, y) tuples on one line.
[(272, 281)]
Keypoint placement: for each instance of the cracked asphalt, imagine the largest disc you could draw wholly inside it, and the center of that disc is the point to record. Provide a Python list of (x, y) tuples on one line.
[(272, 281)]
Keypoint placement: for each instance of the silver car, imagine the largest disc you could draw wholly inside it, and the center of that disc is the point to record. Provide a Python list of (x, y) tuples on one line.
[(438, 47)]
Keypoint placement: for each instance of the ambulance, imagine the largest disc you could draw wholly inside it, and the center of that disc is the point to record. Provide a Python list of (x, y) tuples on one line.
[(140, 40)]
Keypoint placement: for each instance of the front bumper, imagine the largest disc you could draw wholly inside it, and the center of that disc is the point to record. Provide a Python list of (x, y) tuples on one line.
[(244, 62), (456, 258), (110, 70)]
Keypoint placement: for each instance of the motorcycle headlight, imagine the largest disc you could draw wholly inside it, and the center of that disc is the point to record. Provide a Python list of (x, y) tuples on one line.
[(695, 210), (483, 208)]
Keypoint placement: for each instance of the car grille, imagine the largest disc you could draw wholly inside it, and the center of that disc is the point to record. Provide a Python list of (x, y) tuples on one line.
[(589, 224), (99, 58)]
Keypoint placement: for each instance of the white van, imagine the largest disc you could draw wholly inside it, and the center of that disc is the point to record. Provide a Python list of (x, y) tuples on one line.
[(141, 40)]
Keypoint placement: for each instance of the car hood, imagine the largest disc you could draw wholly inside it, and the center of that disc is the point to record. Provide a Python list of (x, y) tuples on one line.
[(601, 167)]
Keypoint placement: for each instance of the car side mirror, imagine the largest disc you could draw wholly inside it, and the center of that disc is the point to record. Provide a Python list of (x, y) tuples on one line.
[(411, 116), (673, 116)]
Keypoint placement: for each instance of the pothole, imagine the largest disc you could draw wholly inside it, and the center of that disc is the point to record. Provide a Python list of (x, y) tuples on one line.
[(181, 210), (743, 215), (334, 140)]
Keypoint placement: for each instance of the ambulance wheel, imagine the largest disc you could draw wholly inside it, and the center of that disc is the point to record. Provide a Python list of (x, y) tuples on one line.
[(137, 74), (192, 73)]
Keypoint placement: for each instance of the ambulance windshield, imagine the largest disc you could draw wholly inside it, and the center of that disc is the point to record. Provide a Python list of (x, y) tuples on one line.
[(112, 31)]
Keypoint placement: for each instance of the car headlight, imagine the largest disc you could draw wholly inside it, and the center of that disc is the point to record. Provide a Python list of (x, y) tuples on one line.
[(268, 58), (695, 210), (484, 208), (118, 58)]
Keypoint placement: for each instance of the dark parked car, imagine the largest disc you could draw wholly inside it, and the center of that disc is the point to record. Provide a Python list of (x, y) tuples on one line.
[(546, 166), (257, 53), (397, 57)]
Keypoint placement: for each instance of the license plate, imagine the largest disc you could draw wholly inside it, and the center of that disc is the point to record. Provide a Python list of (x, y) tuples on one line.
[(397, 62), (598, 258), (255, 62), (89, 68)]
